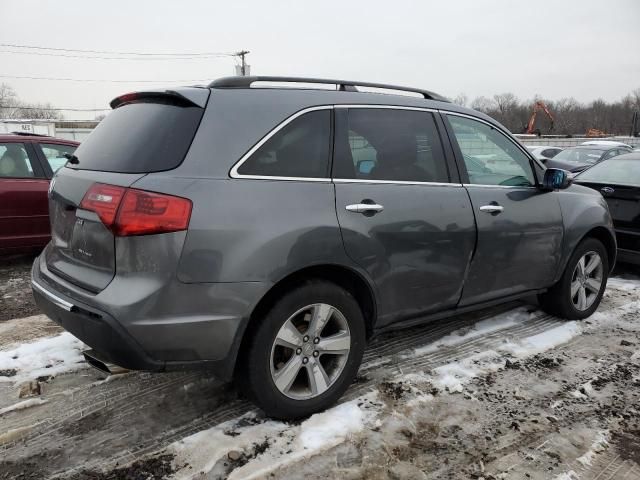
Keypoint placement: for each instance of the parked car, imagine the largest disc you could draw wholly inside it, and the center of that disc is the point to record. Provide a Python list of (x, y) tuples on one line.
[(618, 179), (27, 163), (544, 152), (607, 143), (269, 233), (576, 159)]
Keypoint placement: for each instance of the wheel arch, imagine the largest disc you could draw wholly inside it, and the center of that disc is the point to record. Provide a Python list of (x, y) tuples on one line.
[(608, 240), (345, 277)]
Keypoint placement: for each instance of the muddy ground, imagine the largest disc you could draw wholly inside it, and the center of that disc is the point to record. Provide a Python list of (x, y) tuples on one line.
[(16, 300), (569, 412)]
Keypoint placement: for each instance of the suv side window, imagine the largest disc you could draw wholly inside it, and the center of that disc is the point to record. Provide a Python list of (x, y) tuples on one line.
[(389, 144), (300, 149), (490, 157), (54, 154), (14, 161), (611, 153)]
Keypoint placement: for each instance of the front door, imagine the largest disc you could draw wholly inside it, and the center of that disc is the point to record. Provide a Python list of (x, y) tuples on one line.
[(401, 217), (520, 227)]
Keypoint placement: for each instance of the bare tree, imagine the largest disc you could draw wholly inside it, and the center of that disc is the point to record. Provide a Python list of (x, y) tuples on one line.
[(8, 100), (482, 104), (37, 111), (12, 107), (461, 99), (570, 116)]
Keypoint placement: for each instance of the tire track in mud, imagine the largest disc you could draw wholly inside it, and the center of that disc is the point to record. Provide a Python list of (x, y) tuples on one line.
[(162, 410), (442, 356), (88, 405)]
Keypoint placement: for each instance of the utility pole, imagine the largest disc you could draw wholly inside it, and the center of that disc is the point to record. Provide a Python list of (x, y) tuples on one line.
[(242, 54)]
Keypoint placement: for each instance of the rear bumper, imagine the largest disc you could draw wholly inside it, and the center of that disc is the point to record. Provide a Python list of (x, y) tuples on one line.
[(177, 327), (94, 327)]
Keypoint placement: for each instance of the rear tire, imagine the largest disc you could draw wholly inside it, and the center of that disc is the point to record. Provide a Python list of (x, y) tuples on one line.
[(579, 291), (305, 352)]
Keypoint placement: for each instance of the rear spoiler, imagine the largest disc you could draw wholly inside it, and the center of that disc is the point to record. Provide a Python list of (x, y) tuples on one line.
[(191, 95)]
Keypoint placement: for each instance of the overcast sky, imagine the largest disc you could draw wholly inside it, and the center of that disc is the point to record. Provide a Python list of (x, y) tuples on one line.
[(586, 49)]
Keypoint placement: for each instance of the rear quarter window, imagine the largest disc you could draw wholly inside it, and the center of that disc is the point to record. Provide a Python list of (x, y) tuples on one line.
[(300, 149), (140, 137)]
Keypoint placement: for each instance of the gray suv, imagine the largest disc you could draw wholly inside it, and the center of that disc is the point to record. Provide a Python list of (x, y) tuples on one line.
[(268, 232)]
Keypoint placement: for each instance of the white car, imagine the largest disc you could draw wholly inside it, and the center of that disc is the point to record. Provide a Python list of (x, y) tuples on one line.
[(544, 152), (606, 143)]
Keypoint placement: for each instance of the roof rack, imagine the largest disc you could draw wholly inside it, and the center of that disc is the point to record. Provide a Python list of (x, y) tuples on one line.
[(343, 85)]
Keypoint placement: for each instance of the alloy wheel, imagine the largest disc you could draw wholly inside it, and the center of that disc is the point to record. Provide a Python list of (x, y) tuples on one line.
[(586, 280), (310, 351)]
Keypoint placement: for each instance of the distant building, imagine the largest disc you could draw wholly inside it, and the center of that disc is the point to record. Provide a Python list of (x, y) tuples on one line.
[(69, 129)]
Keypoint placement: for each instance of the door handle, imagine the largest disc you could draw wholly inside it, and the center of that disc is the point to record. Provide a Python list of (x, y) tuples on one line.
[(492, 208), (364, 208)]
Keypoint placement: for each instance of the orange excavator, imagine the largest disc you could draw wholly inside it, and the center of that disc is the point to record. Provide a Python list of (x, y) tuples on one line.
[(537, 107), (594, 132)]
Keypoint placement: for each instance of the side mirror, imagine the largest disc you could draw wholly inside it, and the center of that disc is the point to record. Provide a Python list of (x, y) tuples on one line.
[(555, 179)]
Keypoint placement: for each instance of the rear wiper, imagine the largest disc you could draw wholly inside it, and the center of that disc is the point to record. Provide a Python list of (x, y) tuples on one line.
[(71, 158)]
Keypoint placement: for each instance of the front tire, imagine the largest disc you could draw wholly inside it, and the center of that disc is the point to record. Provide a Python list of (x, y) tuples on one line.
[(305, 352), (579, 291)]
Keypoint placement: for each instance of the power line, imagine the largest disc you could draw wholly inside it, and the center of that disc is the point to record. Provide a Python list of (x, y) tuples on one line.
[(25, 77), (93, 57), (189, 54), (18, 107)]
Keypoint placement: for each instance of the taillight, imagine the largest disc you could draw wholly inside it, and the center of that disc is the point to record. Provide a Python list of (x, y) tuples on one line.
[(103, 200), (129, 211), (144, 213)]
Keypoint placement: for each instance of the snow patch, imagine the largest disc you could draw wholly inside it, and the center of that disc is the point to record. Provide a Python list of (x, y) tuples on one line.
[(203, 450), (624, 284), (331, 427), (543, 341), (570, 475), (453, 376), (32, 402), (48, 356), (584, 391), (482, 328), (600, 443)]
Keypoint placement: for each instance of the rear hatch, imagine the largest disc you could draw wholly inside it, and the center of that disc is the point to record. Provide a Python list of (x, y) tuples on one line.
[(90, 202)]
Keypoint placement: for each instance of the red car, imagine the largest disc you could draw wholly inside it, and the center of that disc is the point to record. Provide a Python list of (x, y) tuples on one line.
[(27, 163)]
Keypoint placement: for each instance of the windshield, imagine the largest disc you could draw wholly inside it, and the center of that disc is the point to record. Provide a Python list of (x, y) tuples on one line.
[(588, 156), (140, 137), (618, 171)]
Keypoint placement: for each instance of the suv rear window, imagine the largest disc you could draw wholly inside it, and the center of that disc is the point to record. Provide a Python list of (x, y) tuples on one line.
[(140, 137)]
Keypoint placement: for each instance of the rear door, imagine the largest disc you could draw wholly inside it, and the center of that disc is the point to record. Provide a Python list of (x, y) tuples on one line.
[(142, 135), (404, 217), (24, 221), (520, 227), (52, 155)]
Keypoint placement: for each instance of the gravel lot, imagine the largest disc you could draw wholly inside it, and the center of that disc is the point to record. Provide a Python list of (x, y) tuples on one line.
[(506, 393)]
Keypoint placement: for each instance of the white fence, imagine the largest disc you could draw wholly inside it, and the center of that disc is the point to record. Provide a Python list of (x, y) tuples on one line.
[(572, 142)]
